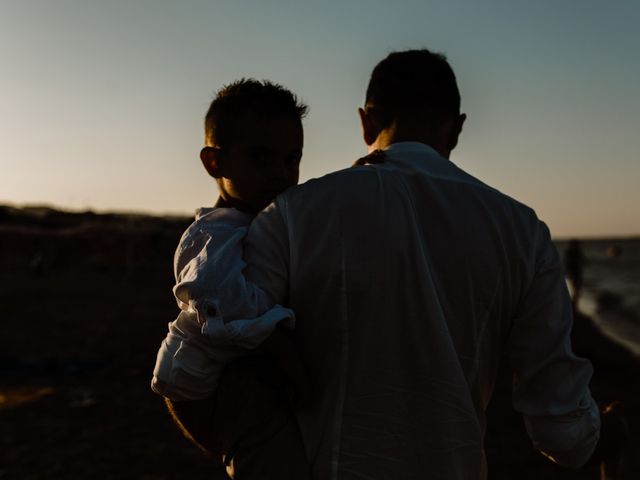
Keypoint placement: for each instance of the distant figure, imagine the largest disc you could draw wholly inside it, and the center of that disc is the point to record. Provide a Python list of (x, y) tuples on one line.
[(573, 266), (36, 264)]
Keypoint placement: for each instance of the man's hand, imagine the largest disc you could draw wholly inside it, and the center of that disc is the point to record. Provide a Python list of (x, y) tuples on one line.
[(614, 436), (375, 157), (279, 346)]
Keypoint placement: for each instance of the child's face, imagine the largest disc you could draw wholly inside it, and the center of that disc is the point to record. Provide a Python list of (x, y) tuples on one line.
[(263, 160)]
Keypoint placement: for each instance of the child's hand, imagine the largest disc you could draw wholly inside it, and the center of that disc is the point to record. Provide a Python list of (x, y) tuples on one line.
[(375, 157)]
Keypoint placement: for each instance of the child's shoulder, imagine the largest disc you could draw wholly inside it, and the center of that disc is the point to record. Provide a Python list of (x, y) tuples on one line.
[(221, 216), (214, 221), (221, 224)]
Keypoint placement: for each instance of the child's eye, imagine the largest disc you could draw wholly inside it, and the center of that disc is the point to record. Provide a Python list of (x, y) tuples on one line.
[(259, 157)]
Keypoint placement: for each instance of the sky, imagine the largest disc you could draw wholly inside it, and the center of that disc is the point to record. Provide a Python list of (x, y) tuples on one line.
[(102, 102)]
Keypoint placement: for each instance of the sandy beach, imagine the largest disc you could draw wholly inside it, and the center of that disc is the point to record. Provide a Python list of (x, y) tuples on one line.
[(84, 303)]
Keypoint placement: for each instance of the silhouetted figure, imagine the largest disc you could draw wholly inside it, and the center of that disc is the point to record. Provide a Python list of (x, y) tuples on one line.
[(411, 281), (36, 264), (407, 281), (230, 356), (573, 266)]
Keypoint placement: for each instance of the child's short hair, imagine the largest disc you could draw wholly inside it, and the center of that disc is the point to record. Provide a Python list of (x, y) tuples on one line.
[(247, 96)]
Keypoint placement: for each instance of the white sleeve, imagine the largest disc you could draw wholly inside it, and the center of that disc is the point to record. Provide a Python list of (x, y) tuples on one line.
[(551, 384), (267, 251), (186, 367), (222, 314), (210, 281)]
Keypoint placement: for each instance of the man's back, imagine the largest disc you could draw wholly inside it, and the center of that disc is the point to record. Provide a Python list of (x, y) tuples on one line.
[(409, 280)]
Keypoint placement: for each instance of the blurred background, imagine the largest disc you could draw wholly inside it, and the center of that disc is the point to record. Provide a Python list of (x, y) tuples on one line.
[(101, 122)]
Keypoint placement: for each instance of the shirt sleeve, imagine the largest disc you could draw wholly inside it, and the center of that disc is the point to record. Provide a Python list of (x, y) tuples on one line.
[(551, 384), (267, 252), (210, 281)]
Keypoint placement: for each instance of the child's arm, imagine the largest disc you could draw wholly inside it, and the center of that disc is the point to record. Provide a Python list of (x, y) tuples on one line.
[(210, 282), (223, 316)]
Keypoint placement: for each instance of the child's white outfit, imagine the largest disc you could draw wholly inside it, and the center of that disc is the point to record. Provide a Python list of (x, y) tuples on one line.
[(222, 315)]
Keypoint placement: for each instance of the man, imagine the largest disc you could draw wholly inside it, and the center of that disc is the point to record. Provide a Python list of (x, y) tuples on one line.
[(409, 279)]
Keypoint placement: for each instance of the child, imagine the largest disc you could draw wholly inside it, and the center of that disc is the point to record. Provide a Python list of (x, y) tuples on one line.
[(254, 142)]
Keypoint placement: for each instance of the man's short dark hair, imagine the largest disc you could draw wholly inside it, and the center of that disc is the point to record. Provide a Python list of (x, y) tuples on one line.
[(410, 83), (244, 96)]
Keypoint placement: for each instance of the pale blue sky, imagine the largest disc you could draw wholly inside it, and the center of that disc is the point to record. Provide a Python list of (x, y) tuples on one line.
[(102, 102)]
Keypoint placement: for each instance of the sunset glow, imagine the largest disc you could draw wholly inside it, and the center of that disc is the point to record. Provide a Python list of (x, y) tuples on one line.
[(102, 102)]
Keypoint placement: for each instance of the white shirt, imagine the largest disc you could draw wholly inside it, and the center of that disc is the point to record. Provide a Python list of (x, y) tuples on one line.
[(409, 280), (222, 315)]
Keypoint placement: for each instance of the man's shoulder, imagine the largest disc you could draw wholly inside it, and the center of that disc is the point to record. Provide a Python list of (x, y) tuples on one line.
[(491, 194), (335, 179), (356, 185), (345, 184), (506, 213), (320, 196)]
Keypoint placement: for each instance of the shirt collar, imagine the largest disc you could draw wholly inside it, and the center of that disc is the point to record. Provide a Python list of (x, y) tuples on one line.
[(416, 155), (402, 147)]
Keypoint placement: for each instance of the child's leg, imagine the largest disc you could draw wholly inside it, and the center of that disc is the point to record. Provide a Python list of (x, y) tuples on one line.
[(254, 426)]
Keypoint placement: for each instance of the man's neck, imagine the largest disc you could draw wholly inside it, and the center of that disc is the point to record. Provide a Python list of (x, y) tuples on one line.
[(392, 135)]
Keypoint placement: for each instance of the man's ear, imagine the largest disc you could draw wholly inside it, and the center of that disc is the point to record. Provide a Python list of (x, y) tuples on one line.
[(370, 130), (211, 160), (456, 130), (461, 119)]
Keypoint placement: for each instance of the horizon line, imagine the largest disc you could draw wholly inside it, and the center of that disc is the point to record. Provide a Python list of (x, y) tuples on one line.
[(143, 213)]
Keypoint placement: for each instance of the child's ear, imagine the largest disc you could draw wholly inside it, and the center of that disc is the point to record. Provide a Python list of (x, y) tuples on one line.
[(211, 159)]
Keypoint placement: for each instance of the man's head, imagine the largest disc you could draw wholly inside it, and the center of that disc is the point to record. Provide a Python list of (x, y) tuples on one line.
[(412, 96), (254, 139)]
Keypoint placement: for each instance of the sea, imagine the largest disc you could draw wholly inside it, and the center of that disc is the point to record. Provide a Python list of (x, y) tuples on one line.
[(611, 291)]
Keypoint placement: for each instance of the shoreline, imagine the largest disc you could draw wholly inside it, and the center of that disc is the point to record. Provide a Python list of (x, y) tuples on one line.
[(609, 313)]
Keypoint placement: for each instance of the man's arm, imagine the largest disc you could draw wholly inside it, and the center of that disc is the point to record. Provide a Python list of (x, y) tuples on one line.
[(195, 418), (551, 384)]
